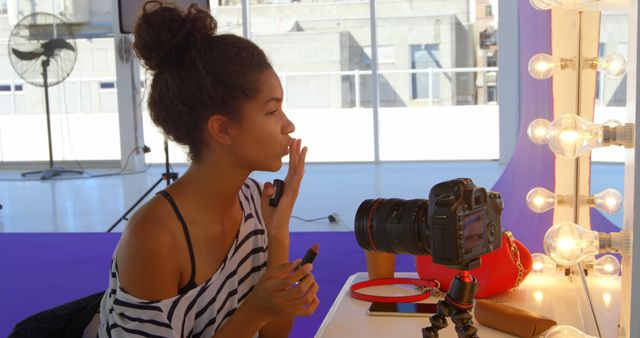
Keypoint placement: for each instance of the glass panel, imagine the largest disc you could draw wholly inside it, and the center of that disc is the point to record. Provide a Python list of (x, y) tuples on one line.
[(320, 51), (611, 97), (84, 124), (611, 92), (441, 51)]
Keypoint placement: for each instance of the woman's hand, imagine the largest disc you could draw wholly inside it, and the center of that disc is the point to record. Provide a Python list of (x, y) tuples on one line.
[(277, 219), (284, 291)]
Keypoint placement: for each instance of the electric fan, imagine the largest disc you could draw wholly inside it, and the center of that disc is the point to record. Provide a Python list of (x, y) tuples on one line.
[(42, 51)]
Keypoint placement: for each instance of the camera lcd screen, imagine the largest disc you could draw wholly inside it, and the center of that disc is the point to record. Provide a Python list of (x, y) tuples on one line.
[(473, 230)]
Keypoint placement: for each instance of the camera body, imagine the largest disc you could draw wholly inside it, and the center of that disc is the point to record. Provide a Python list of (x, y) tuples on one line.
[(456, 225), (464, 223)]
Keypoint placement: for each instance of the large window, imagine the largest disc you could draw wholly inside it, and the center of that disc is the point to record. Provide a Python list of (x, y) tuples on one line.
[(439, 84), (433, 56)]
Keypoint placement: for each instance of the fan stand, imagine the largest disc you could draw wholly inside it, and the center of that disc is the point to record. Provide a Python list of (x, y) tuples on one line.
[(52, 171)]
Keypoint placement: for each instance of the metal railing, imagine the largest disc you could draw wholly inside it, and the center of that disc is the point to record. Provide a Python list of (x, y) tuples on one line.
[(54, 91), (358, 73), (431, 99)]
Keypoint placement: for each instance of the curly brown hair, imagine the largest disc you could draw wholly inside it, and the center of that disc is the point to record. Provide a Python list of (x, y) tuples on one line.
[(196, 74)]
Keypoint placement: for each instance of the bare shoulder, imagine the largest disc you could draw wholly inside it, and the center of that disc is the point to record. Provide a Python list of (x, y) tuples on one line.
[(148, 267), (151, 225)]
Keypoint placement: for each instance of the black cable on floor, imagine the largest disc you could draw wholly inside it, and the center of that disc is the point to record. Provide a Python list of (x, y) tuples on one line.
[(310, 220)]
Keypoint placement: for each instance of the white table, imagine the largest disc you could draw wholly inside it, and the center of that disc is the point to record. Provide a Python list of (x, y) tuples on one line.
[(558, 297)]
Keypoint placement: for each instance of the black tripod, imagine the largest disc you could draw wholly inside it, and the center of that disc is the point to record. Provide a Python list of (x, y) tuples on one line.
[(457, 304), (52, 171), (167, 175)]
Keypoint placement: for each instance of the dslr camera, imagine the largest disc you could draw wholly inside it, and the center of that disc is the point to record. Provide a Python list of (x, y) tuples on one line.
[(456, 225)]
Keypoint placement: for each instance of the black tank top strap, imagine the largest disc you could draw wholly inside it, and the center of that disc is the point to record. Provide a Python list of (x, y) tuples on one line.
[(191, 284)]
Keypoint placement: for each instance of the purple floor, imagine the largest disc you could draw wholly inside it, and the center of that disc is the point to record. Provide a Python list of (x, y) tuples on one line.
[(42, 270)]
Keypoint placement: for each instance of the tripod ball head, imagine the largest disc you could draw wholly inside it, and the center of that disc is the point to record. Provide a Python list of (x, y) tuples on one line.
[(462, 291)]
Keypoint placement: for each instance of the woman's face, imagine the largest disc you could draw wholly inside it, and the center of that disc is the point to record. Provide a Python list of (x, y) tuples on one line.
[(260, 137)]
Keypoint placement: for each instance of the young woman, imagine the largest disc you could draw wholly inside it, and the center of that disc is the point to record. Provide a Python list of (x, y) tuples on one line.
[(208, 257)]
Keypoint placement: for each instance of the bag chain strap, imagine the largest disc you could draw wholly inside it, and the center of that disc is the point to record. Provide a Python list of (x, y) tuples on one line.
[(515, 255)]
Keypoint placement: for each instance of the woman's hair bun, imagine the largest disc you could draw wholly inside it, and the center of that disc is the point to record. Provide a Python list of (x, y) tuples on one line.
[(164, 35)]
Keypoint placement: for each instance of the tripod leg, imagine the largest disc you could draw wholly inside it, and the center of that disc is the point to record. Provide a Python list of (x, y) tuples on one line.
[(464, 324), (168, 175), (438, 321), (124, 216)]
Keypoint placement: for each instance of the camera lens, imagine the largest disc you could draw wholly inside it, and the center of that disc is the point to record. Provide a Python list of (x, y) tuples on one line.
[(393, 225), (456, 226)]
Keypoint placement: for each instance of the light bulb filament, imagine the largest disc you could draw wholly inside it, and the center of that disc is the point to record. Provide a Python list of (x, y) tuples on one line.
[(541, 131), (566, 244), (543, 66), (569, 136)]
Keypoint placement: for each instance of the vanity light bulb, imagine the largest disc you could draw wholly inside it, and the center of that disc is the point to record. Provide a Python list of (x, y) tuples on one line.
[(538, 131), (613, 65), (542, 264), (567, 243), (542, 5), (542, 66), (566, 331), (608, 200), (607, 265), (540, 200), (572, 136)]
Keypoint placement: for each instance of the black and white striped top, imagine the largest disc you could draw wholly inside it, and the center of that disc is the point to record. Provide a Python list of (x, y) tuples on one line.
[(201, 311)]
